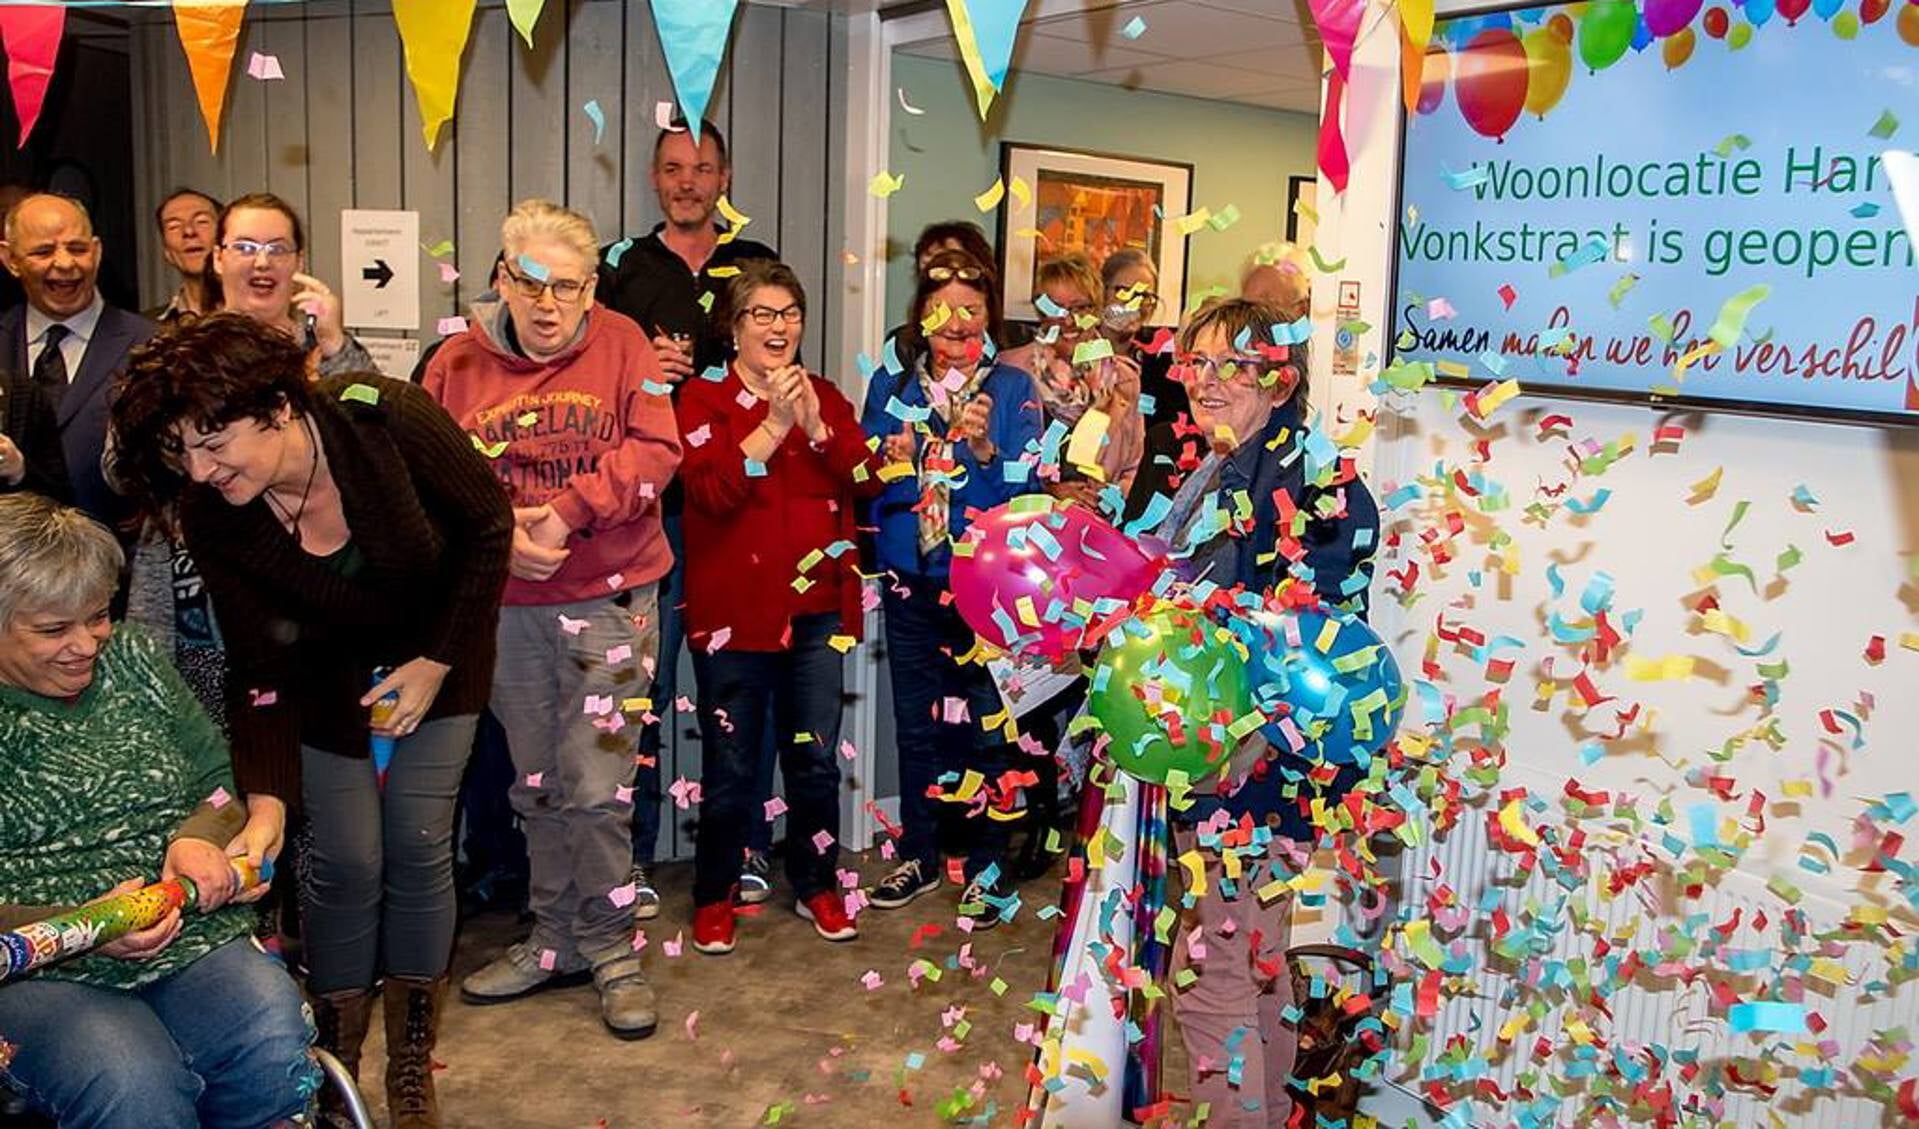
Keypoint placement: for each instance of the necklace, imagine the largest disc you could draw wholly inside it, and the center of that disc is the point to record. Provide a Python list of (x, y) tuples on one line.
[(292, 518)]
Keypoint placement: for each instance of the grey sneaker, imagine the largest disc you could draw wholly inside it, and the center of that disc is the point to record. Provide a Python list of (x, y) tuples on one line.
[(627, 1005), (514, 975), (755, 884), (646, 898)]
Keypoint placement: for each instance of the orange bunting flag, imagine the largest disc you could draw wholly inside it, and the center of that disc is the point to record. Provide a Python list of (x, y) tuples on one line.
[(31, 34), (209, 33), (434, 33)]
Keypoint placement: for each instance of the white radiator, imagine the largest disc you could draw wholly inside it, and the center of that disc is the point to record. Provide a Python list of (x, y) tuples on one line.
[(1665, 1012)]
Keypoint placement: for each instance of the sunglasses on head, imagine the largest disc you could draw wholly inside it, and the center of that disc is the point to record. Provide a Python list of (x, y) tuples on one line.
[(948, 274)]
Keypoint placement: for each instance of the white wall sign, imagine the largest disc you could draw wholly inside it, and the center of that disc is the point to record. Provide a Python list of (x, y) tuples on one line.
[(393, 356), (380, 269)]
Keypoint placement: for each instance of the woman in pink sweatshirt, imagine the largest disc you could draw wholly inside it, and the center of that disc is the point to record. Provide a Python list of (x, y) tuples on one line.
[(568, 401)]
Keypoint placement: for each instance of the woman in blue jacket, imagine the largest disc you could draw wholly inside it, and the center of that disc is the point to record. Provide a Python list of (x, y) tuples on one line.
[(961, 433)]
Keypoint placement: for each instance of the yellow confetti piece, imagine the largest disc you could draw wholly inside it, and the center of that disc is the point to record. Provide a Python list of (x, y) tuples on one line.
[(1188, 224), (989, 199), (1195, 867), (1028, 614), (1502, 392), (1720, 623), (722, 272), (1706, 487), (1909, 640), (1694, 355), (1328, 635), (1513, 823), (937, 316), (1089, 434), (969, 785), (884, 184), (528, 419), (1022, 194), (842, 643), (1668, 669), (635, 705)]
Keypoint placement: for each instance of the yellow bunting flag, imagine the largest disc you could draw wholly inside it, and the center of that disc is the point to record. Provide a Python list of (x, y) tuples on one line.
[(209, 32), (434, 33), (524, 14)]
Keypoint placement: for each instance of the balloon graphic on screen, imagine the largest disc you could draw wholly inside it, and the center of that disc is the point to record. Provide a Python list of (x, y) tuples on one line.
[(1759, 11), (1665, 17), (1827, 9), (1492, 81), (1438, 69), (1845, 25), (1562, 26), (1716, 22), (1606, 32), (1909, 23), (1678, 48), (1549, 67), (1793, 9), (1739, 36), (1872, 11)]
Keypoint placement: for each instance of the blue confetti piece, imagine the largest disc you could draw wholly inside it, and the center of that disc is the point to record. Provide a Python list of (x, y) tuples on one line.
[(1493, 363), (1865, 211), (1147, 404), (597, 116), (1470, 178), (655, 388), (1785, 1019), (617, 252), (534, 268), (755, 468), (1292, 332), (1134, 28)]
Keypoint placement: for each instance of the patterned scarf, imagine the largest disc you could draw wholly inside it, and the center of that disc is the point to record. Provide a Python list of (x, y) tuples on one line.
[(937, 464)]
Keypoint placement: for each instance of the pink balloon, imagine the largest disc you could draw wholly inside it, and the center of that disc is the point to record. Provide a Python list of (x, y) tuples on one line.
[(1040, 550), (1666, 17)]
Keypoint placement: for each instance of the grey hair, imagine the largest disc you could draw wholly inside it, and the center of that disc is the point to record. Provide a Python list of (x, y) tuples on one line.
[(54, 558)]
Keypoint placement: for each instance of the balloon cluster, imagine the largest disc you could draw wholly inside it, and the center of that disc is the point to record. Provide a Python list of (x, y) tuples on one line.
[(1498, 69), (1177, 685)]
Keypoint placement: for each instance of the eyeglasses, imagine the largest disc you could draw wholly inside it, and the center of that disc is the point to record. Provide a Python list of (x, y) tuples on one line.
[(1246, 372), (248, 249), (564, 289), (948, 274), (764, 316), (1137, 296)]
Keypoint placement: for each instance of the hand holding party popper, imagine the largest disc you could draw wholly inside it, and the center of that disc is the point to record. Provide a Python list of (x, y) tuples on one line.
[(85, 928)]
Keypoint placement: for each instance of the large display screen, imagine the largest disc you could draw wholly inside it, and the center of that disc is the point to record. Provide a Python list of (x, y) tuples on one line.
[(1670, 201)]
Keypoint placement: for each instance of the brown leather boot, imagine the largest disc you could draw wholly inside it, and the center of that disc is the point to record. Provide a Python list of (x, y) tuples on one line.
[(340, 1021), (412, 1027)]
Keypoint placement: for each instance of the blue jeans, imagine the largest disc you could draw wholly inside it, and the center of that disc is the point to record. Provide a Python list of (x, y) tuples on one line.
[(221, 1043), (646, 782), (922, 640), (802, 687)]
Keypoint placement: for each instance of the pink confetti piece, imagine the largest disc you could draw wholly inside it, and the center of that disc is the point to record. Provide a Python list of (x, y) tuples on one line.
[(533, 779), (449, 274), (693, 1025), (639, 940), (683, 704), (953, 711), (700, 436), (872, 980), (573, 626), (219, 798), (450, 326), (623, 794), (718, 639), (263, 698), (847, 751), (674, 947), (616, 582), (685, 793), (599, 705), (822, 840), (622, 896), (549, 960), (746, 399), (775, 808), (265, 68), (619, 654)]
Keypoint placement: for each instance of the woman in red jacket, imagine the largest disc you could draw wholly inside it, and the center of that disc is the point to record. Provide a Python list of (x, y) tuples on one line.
[(775, 463)]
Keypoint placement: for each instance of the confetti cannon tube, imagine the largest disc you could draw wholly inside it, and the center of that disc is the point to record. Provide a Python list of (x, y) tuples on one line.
[(87, 927)]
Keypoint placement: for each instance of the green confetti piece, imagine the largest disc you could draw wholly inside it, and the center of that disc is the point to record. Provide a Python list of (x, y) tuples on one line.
[(997, 986), (1731, 321), (361, 394), (1790, 557), (1321, 264), (439, 250), (1618, 292), (1224, 218), (491, 451), (1886, 126), (1355, 327), (1738, 515), (1732, 142), (1662, 327)]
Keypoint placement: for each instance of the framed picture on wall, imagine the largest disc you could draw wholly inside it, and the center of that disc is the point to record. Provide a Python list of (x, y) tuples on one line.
[(1097, 203), (1302, 223)]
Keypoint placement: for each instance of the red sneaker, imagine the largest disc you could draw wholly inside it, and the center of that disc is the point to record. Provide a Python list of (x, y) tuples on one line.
[(827, 911), (713, 928)]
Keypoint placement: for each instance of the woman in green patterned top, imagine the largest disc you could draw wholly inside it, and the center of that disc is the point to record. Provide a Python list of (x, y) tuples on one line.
[(113, 776)]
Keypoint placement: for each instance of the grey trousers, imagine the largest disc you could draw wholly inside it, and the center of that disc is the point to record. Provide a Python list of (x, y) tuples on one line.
[(563, 673), (382, 881)]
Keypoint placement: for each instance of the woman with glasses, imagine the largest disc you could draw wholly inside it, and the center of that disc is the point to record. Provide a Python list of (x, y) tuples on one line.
[(959, 431), (568, 402), (1312, 520), (1129, 283), (355, 545), (776, 467), (258, 269), (1082, 383)]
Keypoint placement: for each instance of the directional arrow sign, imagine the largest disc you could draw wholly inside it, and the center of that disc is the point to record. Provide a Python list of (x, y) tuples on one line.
[(380, 258)]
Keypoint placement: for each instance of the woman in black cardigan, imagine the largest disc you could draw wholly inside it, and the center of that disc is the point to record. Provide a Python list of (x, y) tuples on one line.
[(355, 546)]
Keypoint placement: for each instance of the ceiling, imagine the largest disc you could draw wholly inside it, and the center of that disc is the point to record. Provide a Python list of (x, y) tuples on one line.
[(1255, 52)]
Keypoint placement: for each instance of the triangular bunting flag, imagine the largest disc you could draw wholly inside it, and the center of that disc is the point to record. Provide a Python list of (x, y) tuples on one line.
[(1338, 22), (524, 14), (1333, 162), (209, 33), (31, 35), (434, 34), (985, 31), (693, 34)]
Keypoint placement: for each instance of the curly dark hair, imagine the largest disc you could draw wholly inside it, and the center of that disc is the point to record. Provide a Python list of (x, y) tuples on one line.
[(208, 372)]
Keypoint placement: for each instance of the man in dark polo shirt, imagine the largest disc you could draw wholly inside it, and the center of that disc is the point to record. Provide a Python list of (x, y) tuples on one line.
[(665, 280)]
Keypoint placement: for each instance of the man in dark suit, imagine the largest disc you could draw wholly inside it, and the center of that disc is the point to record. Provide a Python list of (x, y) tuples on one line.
[(66, 345)]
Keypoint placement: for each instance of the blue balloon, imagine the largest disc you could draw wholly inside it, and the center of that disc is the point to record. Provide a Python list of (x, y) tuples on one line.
[(1339, 702), (1642, 36), (1827, 9), (1759, 11)]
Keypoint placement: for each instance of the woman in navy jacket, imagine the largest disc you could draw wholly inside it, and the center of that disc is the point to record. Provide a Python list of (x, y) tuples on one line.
[(958, 431)]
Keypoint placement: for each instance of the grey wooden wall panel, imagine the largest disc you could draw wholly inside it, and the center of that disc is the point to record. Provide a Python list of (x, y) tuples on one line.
[(284, 133), (383, 127), (427, 182), (757, 109), (149, 158), (482, 188), (329, 74), (803, 206), (594, 73), (838, 184), (647, 85), (245, 128), (537, 116)]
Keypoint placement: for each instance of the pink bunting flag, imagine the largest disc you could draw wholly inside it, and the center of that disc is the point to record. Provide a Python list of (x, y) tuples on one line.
[(1338, 22), (1333, 161), (31, 35)]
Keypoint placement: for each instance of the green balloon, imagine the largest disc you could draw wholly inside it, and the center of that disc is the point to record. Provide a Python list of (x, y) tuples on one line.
[(1845, 25), (1173, 671), (1739, 36), (1606, 32)]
